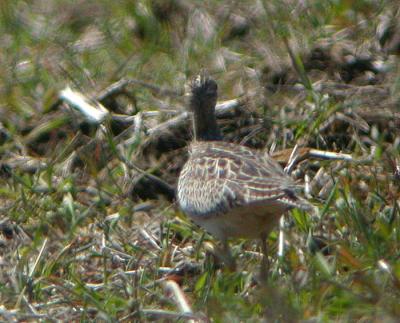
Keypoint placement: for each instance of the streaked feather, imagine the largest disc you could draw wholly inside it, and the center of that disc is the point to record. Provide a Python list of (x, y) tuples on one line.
[(222, 176)]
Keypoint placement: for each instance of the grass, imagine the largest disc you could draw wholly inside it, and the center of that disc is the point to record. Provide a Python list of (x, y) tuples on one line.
[(84, 238)]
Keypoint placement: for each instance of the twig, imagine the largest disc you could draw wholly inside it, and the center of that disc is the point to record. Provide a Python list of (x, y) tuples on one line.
[(169, 124), (385, 267), (315, 153), (281, 243), (172, 288), (148, 237), (120, 85), (283, 156), (93, 111), (156, 314), (16, 316), (221, 110), (292, 160)]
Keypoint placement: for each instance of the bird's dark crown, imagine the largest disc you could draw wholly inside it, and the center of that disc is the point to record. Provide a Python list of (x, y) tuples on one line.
[(203, 91), (204, 94)]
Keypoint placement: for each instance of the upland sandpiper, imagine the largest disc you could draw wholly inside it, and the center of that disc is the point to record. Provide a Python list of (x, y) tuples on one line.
[(230, 190)]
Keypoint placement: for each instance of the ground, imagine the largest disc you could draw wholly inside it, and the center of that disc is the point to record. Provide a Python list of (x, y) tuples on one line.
[(89, 229)]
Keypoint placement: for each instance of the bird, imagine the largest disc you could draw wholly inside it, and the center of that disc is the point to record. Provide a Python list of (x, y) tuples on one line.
[(230, 190)]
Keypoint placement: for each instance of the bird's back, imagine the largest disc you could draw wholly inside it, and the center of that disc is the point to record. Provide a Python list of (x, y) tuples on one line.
[(224, 184)]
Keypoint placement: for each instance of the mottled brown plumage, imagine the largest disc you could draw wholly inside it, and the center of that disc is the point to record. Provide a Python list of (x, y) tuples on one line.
[(229, 189)]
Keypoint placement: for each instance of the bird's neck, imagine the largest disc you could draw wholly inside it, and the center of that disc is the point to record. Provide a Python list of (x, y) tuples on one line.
[(205, 125)]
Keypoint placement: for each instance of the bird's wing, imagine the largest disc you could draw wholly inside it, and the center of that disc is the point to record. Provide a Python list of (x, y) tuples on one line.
[(223, 176)]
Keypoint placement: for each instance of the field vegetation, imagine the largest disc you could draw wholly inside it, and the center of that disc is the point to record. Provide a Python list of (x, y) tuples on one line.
[(89, 227)]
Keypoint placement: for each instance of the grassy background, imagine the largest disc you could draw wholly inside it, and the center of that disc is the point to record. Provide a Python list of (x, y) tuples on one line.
[(77, 243)]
